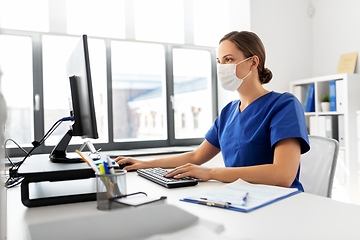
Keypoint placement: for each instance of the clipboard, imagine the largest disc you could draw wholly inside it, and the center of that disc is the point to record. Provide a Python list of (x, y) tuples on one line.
[(231, 196)]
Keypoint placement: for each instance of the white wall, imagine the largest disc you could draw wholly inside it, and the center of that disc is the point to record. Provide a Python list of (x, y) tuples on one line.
[(335, 31), (299, 46), (285, 29)]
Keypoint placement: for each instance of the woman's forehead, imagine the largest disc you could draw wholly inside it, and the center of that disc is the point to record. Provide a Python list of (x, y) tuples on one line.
[(228, 48)]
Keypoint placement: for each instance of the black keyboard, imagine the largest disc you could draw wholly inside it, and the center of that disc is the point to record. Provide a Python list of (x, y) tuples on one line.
[(157, 175)]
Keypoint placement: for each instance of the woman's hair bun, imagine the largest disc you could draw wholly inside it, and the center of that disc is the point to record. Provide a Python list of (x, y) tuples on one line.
[(265, 76)]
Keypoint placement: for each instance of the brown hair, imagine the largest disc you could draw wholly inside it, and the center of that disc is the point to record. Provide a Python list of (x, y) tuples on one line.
[(250, 44)]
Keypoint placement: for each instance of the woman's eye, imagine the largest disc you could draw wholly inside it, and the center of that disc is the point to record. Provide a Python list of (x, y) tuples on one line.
[(228, 59)]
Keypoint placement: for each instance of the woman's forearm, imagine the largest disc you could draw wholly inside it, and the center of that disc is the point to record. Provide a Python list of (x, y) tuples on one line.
[(202, 154), (173, 161), (269, 174)]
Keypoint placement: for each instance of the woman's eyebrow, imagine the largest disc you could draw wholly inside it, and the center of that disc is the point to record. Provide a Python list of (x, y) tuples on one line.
[(229, 54), (226, 55)]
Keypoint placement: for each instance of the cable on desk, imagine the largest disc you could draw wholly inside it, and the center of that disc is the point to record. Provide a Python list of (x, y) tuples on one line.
[(14, 179)]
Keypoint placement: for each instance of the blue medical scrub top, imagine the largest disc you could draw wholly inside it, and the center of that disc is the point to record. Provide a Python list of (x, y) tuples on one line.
[(248, 138)]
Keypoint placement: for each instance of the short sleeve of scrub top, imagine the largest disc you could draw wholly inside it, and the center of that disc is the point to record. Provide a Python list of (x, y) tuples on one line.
[(248, 138)]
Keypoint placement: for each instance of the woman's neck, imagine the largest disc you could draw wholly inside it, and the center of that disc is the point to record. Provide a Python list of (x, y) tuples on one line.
[(249, 92)]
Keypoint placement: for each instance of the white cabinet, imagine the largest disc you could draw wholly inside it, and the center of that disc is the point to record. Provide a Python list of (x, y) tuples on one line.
[(341, 123)]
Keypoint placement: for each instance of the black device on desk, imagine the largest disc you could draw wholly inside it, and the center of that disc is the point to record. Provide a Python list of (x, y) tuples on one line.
[(157, 175), (63, 168), (47, 183)]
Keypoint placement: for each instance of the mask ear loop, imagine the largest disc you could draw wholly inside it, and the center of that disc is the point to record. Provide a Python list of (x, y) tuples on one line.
[(243, 60), (238, 64), (246, 75)]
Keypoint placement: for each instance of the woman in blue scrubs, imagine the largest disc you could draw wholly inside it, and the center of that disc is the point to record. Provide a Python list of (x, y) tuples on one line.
[(261, 135)]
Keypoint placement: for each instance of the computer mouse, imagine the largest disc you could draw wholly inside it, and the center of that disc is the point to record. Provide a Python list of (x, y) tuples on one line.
[(122, 165)]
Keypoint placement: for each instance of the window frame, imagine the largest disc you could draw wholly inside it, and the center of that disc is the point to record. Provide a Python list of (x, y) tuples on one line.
[(38, 89)]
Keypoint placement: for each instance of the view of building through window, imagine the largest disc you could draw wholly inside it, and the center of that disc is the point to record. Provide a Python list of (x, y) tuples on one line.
[(192, 102), (138, 83), (139, 103)]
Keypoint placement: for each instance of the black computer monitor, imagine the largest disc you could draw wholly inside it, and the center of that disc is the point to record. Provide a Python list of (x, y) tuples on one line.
[(78, 71)]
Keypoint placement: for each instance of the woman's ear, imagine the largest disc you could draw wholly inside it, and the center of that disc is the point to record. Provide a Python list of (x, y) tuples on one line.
[(254, 62)]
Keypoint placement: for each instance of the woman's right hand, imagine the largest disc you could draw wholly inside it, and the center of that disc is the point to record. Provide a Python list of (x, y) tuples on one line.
[(135, 163)]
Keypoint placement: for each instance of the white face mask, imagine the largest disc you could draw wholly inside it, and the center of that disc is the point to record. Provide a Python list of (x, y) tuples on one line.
[(227, 76)]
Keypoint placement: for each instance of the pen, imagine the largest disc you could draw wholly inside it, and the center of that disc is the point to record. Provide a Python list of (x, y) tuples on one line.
[(102, 169), (106, 169), (245, 199), (110, 187), (109, 161), (90, 162), (110, 170), (113, 179), (212, 203)]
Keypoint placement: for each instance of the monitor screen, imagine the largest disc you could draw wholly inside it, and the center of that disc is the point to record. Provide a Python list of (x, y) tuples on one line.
[(83, 109), (78, 71)]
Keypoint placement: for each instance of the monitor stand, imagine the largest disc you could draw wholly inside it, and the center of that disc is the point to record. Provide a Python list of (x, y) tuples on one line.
[(59, 155), (94, 154)]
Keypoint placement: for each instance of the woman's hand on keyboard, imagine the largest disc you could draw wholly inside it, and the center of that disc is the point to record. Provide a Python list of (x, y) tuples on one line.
[(131, 163), (190, 170)]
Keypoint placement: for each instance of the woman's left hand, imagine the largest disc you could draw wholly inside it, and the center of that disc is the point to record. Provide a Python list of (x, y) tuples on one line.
[(190, 170)]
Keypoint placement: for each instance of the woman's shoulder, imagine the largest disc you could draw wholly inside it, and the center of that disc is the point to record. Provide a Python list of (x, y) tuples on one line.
[(230, 106), (284, 97), (286, 101)]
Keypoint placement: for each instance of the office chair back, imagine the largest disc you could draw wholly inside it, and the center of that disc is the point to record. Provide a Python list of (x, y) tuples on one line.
[(317, 166)]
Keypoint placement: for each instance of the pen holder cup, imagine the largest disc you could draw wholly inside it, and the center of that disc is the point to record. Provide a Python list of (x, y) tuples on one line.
[(109, 186)]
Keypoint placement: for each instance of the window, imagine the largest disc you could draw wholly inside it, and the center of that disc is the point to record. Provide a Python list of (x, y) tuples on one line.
[(33, 15), (153, 114), (183, 121), (138, 83), (133, 77), (150, 90), (56, 83), (192, 90), (96, 18), (196, 120), (220, 16), (216, 16), (17, 87), (159, 20)]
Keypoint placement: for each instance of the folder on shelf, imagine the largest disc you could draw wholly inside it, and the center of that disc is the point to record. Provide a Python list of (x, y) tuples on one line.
[(332, 94), (331, 127), (231, 196), (339, 95), (311, 102), (341, 131), (305, 106)]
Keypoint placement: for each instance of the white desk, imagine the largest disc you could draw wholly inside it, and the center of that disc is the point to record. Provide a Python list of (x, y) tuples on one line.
[(302, 216)]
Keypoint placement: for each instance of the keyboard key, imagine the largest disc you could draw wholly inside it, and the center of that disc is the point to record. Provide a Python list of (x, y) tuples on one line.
[(157, 175)]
